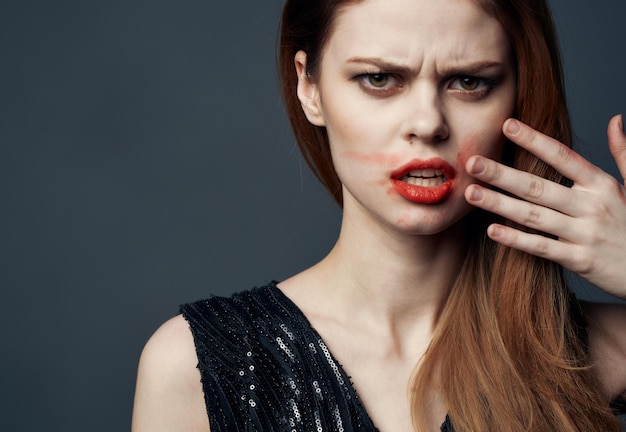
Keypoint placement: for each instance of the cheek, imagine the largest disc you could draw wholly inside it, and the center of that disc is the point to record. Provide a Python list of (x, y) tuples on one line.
[(462, 157), (488, 146), (358, 127), (373, 159), (370, 166)]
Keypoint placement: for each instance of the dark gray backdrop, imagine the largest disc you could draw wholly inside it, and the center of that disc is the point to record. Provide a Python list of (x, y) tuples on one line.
[(145, 161)]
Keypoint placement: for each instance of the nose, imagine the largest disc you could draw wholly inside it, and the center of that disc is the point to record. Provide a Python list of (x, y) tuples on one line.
[(425, 118)]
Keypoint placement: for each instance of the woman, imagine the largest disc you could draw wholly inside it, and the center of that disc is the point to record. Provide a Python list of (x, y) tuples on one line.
[(441, 129)]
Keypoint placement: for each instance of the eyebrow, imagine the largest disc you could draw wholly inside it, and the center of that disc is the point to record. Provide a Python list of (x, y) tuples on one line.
[(467, 69)]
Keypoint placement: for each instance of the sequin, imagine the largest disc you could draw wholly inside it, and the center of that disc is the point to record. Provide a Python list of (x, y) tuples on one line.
[(264, 368)]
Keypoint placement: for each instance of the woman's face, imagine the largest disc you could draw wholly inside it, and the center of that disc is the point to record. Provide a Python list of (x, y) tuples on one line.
[(408, 90)]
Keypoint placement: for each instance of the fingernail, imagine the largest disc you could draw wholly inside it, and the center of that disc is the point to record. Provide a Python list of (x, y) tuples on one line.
[(512, 127), (495, 231), (477, 167), (620, 122), (476, 194)]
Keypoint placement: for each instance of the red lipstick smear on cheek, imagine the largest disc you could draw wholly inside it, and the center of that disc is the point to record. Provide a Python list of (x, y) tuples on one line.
[(468, 149), (461, 160), (374, 159), (472, 146)]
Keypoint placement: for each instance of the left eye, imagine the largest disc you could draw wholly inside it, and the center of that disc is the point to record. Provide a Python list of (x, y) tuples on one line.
[(469, 83), (472, 84)]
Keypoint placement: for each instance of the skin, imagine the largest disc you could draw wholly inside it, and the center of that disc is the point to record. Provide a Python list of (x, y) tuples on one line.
[(168, 395), (423, 110), (589, 220), (363, 297)]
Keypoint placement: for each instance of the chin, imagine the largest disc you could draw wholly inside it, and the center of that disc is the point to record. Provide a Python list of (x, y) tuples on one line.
[(430, 223)]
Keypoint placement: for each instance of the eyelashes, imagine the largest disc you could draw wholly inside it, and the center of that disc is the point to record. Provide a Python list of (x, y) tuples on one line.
[(380, 83), (473, 86), (384, 84), (378, 80)]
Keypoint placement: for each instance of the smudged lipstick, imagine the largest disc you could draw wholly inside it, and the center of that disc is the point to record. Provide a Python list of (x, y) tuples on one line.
[(424, 181)]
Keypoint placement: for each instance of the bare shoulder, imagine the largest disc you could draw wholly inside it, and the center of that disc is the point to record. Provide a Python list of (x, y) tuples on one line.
[(607, 342), (169, 396)]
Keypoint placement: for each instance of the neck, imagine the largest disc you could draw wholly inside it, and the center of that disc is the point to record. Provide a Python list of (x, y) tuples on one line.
[(392, 275), (388, 284)]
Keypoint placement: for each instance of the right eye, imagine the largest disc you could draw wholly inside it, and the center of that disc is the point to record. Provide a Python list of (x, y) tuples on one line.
[(378, 80), (379, 84)]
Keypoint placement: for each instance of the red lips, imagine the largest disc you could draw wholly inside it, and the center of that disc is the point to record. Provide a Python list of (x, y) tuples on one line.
[(424, 181)]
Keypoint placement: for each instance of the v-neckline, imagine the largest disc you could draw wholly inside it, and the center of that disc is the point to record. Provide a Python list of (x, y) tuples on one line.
[(293, 308)]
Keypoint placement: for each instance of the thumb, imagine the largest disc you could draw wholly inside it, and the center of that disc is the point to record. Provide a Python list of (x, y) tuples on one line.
[(617, 143)]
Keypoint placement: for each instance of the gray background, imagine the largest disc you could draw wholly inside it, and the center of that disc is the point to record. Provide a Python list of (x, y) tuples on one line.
[(145, 161)]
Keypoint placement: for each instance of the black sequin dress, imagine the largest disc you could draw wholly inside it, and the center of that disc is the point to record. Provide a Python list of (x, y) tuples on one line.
[(264, 368)]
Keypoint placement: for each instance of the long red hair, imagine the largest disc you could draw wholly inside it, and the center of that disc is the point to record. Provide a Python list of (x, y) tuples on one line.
[(506, 354)]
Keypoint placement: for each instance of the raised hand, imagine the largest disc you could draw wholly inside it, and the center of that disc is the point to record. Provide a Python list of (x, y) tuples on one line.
[(588, 219)]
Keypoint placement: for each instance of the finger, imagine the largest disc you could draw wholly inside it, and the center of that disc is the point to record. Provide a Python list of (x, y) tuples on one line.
[(524, 185), (534, 244), (528, 214), (617, 143), (559, 156)]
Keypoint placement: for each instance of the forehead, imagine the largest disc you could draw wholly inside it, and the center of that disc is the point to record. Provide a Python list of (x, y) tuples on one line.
[(453, 31)]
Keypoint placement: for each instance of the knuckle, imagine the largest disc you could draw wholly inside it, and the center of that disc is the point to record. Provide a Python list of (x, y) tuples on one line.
[(609, 184), (542, 246), (497, 171), (582, 264), (493, 172), (528, 135), (565, 155), (598, 211), (536, 188), (533, 216), (595, 235), (512, 238), (493, 201)]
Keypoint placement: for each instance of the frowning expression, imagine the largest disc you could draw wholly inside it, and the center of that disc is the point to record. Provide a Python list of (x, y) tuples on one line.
[(408, 90)]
